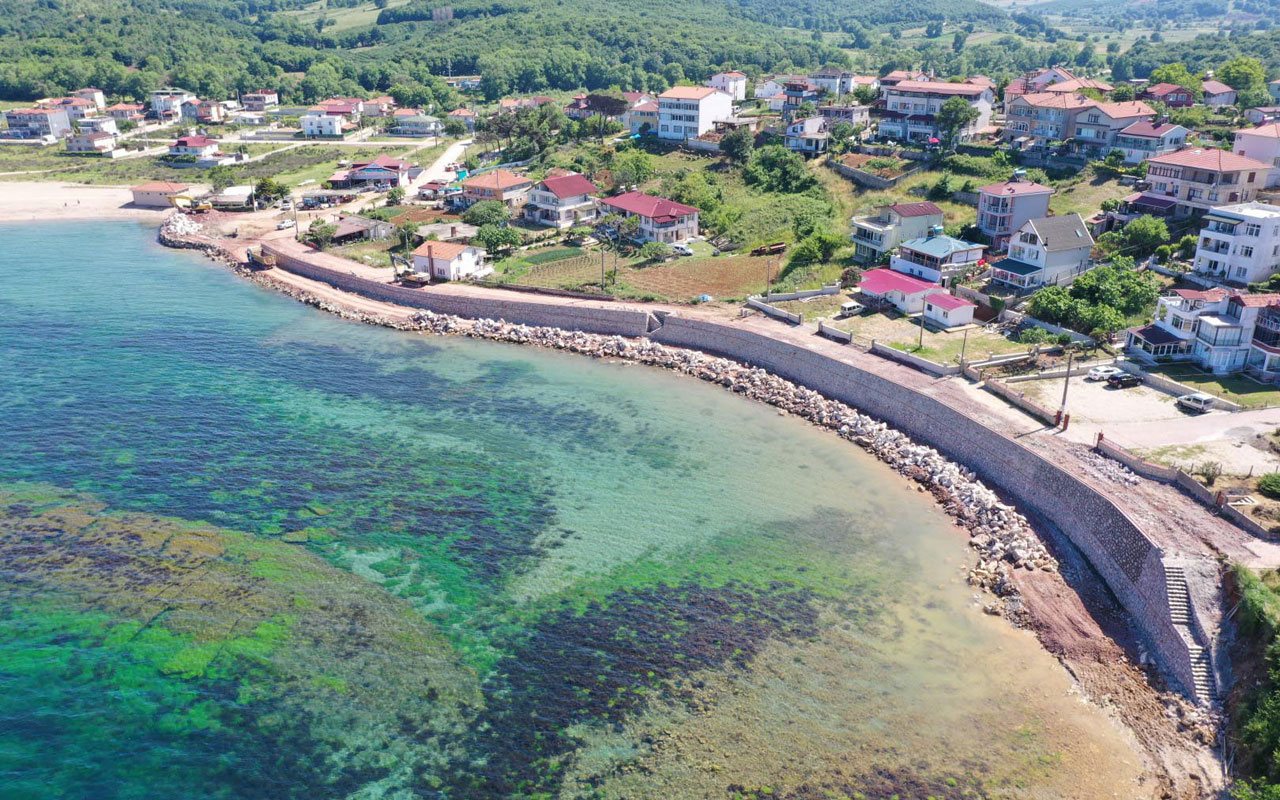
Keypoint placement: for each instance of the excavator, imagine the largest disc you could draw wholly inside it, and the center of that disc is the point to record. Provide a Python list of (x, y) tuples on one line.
[(187, 203), (404, 272)]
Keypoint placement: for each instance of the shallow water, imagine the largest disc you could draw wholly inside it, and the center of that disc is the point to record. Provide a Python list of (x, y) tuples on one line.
[(250, 550)]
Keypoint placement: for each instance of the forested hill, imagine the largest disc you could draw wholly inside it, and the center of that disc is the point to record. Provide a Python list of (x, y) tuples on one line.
[(215, 47)]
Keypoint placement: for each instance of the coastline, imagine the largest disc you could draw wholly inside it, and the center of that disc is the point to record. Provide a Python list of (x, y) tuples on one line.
[(1076, 622), (33, 201)]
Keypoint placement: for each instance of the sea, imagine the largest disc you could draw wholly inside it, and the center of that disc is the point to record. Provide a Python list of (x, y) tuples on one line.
[(250, 550)]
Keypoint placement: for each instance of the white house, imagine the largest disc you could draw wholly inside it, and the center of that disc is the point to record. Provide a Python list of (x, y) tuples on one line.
[(876, 234), (936, 258), (887, 287), (156, 194), (450, 261), (166, 103), (418, 125), (1261, 144), (1220, 330), (562, 201), (320, 124), (1143, 140), (99, 125), (91, 142), (808, 137), (910, 108), (661, 220), (93, 95), (1217, 93), (199, 146), (1046, 251), (688, 111), (947, 310), (1240, 243), (733, 83), (33, 123)]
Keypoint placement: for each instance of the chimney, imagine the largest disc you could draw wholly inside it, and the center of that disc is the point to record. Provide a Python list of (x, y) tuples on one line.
[(431, 258)]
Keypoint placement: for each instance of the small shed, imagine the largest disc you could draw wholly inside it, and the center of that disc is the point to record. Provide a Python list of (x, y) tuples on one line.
[(947, 310)]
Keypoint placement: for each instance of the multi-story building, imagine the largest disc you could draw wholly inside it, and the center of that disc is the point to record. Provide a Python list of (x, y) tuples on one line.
[(166, 103), (1036, 81), (99, 125), (318, 123), (97, 142), (466, 116), (875, 235), (33, 123), (1144, 140), (1261, 144), (1197, 179), (77, 108), (199, 146), (204, 112), (418, 125), (643, 118), (1003, 208), (1239, 244), (808, 137), (1044, 117), (898, 76), (688, 111), (661, 220), (852, 114), (562, 201), (1219, 330), (126, 112), (508, 188), (1169, 94), (795, 95), (838, 82), (450, 261), (1046, 251), (909, 109), (382, 171), (260, 100), (732, 83), (93, 95), (936, 258), (1096, 127)]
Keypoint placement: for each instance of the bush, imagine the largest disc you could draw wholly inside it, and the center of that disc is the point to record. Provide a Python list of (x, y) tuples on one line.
[(851, 277), (1163, 252), (1210, 471), (486, 212), (1033, 336), (654, 251), (1269, 485)]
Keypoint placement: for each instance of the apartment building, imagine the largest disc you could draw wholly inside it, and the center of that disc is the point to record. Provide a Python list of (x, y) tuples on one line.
[(1261, 144), (936, 258), (909, 109), (508, 188), (1043, 117), (1239, 244), (562, 201), (166, 103), (808, 137), (1097, 127), (1046, 251), (1196, 179), (1146, 140), (685, 112), (661, 220), (33, 123), (1003, 208), (732, 83), (1219, 330), (260, 100), (877, 234)]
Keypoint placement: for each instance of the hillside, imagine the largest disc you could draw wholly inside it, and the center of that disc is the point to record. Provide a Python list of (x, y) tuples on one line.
[(215, 47)]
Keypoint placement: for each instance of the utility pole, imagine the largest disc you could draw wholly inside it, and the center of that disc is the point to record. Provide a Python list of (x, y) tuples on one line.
[(920, 344), (964, 344), (768, 272), (1066, 382), (602, 269)]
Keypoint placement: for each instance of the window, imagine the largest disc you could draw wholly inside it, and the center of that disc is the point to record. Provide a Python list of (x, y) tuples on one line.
[(1252, 229), (1245, 251), (1240, 272)]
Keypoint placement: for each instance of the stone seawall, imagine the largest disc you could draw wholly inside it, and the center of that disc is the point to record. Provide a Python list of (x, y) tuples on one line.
[(1130, 563), (615, 321)]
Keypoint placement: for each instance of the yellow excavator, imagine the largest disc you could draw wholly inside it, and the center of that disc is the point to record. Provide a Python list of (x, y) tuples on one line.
[(186, 202)]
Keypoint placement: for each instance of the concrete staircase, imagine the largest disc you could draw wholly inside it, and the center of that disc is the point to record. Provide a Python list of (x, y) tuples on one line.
[(1206, 687)]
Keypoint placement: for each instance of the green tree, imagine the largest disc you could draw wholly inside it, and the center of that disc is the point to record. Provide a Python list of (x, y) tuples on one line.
[(1123, 93), (454, 126), (738, 144), (632, 168), (654, 251), (955, 115), (1243, 74), (486, 212), (1177, 74), (268, 190), (220, 177), (395, 195), (406, 234), (495, 238), (1143, 235), (776, 169), (321, 233)]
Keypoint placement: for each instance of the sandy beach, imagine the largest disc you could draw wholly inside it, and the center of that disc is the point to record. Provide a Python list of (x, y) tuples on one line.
[(22, 201)]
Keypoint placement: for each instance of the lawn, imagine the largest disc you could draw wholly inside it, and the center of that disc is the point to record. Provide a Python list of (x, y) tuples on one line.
[(364, 15), (851, 199), (941, 346), (373, 252), (1085, 198), (1239, 389)]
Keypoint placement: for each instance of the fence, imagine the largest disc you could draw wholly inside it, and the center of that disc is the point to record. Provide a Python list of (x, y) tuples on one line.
[(1021, 400), (923, 364), (869, 179), (1008, 315), (774, 311), (965, 198), (803, 294), (834, 333), (1184, 481), (1170, 386)]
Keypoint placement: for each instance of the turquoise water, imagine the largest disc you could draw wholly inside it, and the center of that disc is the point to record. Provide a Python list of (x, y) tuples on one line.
[(248, 550)]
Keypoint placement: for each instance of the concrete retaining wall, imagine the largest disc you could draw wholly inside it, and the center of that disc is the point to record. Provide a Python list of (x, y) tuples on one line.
[(834, 333), (1021, 400), (1129, 562), (923, 364), (803, 294), (774, 311), (616, 321)]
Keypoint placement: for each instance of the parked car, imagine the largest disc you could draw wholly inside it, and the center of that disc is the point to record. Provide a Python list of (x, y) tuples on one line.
[(1198, 402), (851, 308), (1102, 373), (682, 249), (1126, 380), (284, 224)]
